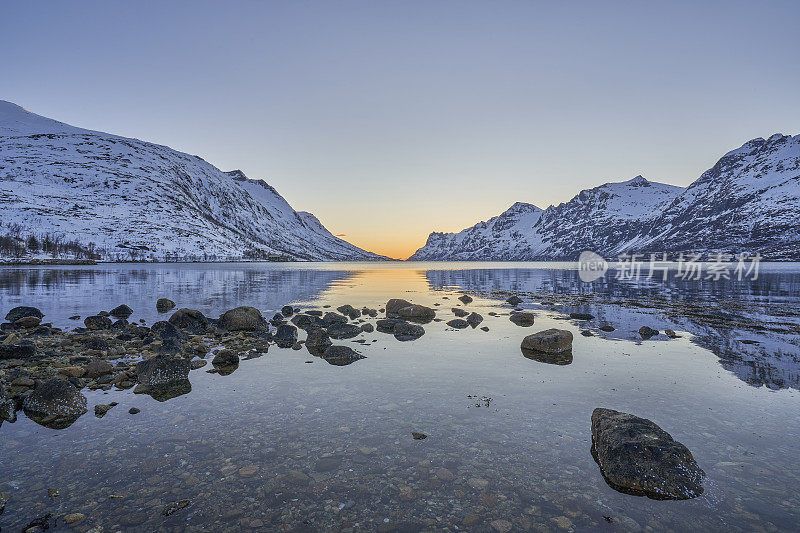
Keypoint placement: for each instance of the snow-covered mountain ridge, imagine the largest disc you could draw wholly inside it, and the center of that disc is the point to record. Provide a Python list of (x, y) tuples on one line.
[(749, 202), (132, 199)]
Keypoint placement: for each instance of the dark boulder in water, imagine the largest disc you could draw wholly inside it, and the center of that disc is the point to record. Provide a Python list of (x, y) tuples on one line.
[(343, 331), (548, 341), (646, 332), (242, 318), (460, 313), (465, 298), (317, 341), (162, 370), (458, 323), (474, 319), (287, 310), (514, 300), (23, 311), (225, 357), (522, 318), (307, 321), (341, 355), (285, 336), (637, 457), (405, 331), (387, 325), (399, 308), (333, 318), (121, 311), (164, 304), (191, 320), (581, 316), (55, 398), (97, 322)]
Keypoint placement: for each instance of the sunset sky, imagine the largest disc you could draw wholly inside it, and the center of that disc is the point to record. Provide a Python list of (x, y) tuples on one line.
[(389, 120)]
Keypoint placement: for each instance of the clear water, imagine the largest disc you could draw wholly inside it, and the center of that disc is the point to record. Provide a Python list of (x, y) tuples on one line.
[(508, 437)]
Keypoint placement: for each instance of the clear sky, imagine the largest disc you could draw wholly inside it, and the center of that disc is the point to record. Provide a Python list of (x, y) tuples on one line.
[(389, 120)]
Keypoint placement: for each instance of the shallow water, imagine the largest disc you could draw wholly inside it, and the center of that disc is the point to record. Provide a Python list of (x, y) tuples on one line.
[(282, 444)]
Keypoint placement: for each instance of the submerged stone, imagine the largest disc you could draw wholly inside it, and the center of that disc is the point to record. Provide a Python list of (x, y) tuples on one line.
[(162, 370), (341, 355), (637, 457)]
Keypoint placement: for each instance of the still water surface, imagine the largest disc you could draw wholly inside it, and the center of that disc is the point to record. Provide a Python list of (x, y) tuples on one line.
[(283, 444)]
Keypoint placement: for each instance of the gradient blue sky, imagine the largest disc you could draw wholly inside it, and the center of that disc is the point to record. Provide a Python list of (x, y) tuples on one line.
[(389, 120)]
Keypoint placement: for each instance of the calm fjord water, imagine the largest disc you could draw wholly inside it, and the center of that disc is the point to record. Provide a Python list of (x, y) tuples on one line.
[(282, 444)]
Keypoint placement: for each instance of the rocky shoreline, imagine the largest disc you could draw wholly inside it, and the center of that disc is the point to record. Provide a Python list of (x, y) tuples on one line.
[(43, 369)]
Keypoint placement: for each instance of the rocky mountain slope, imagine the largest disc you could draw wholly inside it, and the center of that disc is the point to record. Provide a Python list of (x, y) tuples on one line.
[(130, 199), (749, 202)]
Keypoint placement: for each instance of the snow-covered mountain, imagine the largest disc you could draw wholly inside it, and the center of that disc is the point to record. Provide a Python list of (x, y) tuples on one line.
[(748, 202), (133, 199)]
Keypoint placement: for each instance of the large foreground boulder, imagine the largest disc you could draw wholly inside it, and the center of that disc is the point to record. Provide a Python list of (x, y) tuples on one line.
[(638, 457), (22, 312), (55, 398), (162, 370), (243, 319), (398, 308), (549, 341)]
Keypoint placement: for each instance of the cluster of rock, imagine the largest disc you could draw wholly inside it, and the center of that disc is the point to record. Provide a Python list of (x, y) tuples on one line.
[(44, 369)]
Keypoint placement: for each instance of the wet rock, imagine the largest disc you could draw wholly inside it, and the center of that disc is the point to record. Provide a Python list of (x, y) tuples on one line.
[(458, 323), (97, 322), (405, 331), (121, 311), (191, 320), (134, 410), (465, 298), (28, 322), (174, 507), (606, 327), (318, 341), (341, 355), (96, 343), (164, 304), (55, 397), (225, 358), (474, 319), (197, 363), (242, 319), (671, 334), (287, 310), (277, 319), (514, 300), (22, 312), (120, 324), (418, 436), (98, 368), (162, 370), (548, 341), (72, 371), (398, 308), (285, 336), (343, 331), (349, 311), (367, 328), (307, 321), (100, 410), (23, 382), (522, 318), (647, 332), (636, 456), (459, 312), (581, 316), (387, 325), (330, 319), (23, 350)]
